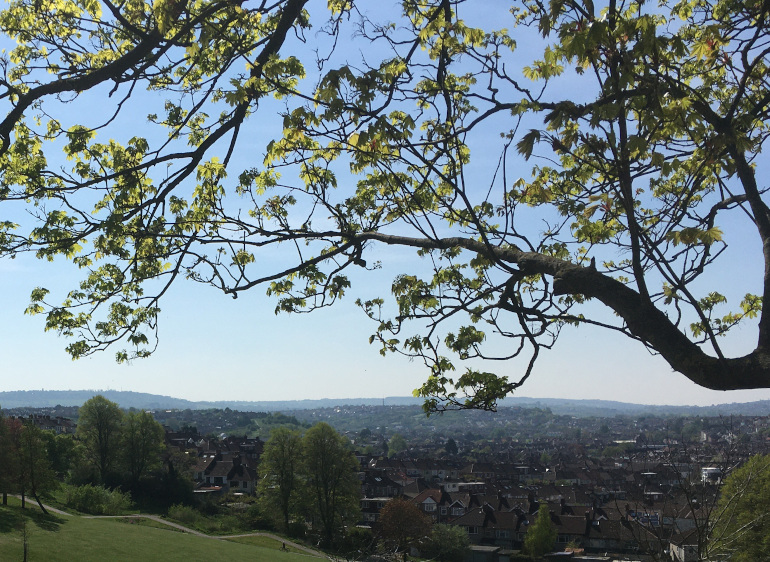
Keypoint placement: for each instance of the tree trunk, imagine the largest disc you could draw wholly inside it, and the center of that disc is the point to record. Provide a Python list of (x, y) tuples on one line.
[(25, 538), (37, 499)]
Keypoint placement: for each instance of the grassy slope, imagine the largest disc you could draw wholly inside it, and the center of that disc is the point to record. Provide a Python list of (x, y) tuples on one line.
[(61, 538)]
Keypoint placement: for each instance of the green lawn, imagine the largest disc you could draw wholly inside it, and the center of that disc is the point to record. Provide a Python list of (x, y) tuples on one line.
[(61, 538), (265, 542)]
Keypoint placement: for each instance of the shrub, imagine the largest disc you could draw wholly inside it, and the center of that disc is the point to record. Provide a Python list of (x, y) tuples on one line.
[(357, 542), (229, 524), (97, 500), (257, 519), (297, 530), (184, 514), (446, 543)]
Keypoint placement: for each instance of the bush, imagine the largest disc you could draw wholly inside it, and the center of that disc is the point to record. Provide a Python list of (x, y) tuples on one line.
[(184, 514), (297, 530), (446, 543), (357, 542), (257, 519), (209, 524), (208, 507), (229, 524), (97, 500)]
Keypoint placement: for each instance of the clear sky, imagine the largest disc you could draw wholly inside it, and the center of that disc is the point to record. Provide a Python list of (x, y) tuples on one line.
[(215, 348)]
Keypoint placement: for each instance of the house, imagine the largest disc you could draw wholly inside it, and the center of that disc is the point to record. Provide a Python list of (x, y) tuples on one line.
[(479, 471), (379, 485), (226, 472), (487, 527), (442, 506), (370, 509), (684, 547), (45, 422)]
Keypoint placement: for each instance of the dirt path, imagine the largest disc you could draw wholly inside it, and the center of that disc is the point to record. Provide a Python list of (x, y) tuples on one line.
[(31, 501)]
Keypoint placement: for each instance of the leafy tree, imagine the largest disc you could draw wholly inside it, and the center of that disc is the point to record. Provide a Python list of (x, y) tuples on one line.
[(447, 543), (329, 470), (451, 447), (176, 484), (26, 468), (35, 474), (741, 520), (397, 444), (279, 466), (365, 434), (99, 424), (635, 178), (691, 430), (9, 458), (142, 444), (541, 535), (62, 452), (402, 524)]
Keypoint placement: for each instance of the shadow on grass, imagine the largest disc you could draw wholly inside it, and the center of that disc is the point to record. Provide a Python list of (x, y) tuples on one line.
[(11, 517), (48, 522)]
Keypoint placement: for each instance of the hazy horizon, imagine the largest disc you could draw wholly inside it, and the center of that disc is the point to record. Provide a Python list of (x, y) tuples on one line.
[(367, 398)]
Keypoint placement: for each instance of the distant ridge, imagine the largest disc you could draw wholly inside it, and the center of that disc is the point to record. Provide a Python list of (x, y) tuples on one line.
[(561, 406), (129, 399)]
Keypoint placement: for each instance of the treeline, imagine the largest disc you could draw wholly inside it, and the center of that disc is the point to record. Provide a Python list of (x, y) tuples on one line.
[(307, 477), (113, 457), (27, 468), (211, 422)]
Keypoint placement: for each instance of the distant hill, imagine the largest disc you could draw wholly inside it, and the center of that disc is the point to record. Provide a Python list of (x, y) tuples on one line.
[(610, 408), (142, 400), (561, 406)]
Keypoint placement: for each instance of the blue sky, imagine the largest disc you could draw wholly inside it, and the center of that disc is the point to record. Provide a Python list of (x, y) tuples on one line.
[(215, 348)]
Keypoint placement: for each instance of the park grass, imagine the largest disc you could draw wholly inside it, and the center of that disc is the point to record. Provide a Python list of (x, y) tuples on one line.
[(144, 522), (60, 538), (265, 542)]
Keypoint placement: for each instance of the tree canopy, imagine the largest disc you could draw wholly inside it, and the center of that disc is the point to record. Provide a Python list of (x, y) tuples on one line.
[(330, 482), (99, 429), (279, 469), (741, 524), (402, 524), (641, 124), (447, 543), (540, 537), (142, 443)]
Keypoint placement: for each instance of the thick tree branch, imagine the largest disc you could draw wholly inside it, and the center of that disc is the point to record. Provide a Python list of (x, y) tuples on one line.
[(111, 71), (643, 319)]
